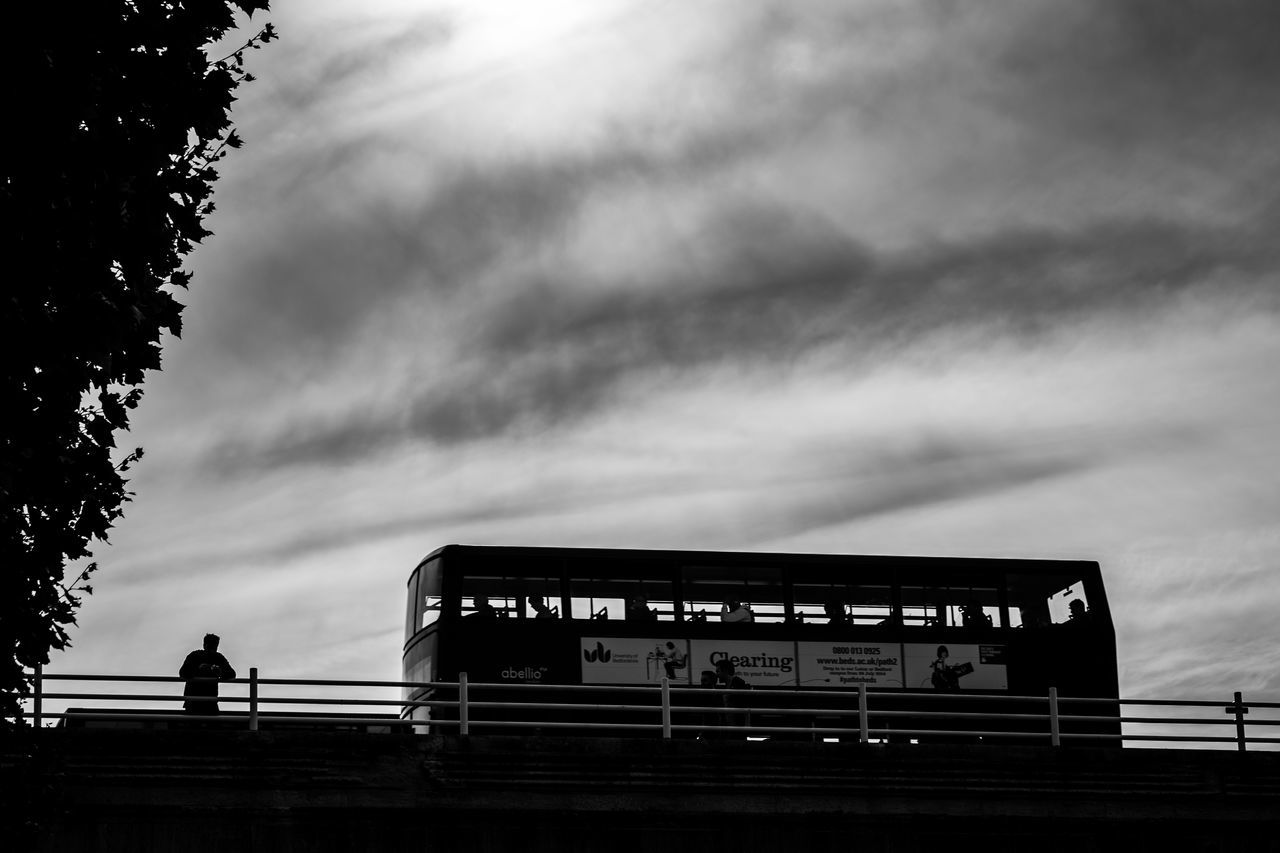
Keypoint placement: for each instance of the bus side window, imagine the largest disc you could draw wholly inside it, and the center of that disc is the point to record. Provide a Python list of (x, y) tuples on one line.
[(490, 596), (733, 594), (953, 601), (411, 616), (597, 598), (1069, 605), (623, 596), (1037, 601), (836, 603), (920, 606), (975, 604), (543, 598), (429, 600)]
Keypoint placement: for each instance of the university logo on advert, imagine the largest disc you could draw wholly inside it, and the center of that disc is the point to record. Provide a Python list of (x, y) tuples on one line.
[(634, 660), (597, 655)]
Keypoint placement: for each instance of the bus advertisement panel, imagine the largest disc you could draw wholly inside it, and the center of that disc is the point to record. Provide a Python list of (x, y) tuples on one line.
[(953, 667), (630, 660), (759, 664), (837, 665)]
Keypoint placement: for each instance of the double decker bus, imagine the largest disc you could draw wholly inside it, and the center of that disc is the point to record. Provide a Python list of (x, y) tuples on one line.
[(789, 623)]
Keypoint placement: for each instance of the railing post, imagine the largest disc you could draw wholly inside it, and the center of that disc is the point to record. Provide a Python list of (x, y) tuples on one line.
[(464, 722), (864, 728), (666, 708), (1055, 731), (37, 697), (253, 698), (1238, 708)]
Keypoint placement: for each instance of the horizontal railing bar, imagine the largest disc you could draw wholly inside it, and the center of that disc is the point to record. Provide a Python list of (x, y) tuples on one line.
[(835, 694), (753, 729), (839, 712), (976, 733), (1173, 721), (70, 714), (317, 682), (756, 730), (853, 694), (1172, 738), (50, 676), (148, 697), (301, 700), (762, 730), (753, 709), (564, 706), (967, 715), (876, 691), (344, 683), (244, 718), (571, 706), (1190, 703), (263, 700), (308, 700), (294, 700), (885, 691), (551, 724), (818, 732)]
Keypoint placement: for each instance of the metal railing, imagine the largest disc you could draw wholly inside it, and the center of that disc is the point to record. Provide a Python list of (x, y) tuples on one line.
[(865, 715)]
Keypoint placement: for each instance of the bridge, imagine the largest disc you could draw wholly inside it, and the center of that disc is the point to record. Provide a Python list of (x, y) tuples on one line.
[(320, 782)]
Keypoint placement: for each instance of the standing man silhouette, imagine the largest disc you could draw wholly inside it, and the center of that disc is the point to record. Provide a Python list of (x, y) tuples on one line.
[(202, 664)]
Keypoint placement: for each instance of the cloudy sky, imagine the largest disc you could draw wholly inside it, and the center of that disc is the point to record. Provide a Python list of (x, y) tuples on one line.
[(889, 276)]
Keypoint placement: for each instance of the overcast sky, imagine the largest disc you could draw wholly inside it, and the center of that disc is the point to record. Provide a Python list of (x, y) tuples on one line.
[(903, 277)]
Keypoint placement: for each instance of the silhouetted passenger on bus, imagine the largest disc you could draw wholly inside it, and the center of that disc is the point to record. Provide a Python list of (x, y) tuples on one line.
[(483, 609), (203, 669), (836, 614), (735, 611), (638, 610), (1079, 612), (895, 618), (540, 608), (973, 615)]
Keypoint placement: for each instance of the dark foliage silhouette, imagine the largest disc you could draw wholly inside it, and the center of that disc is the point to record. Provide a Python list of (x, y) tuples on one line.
[(119, 113)]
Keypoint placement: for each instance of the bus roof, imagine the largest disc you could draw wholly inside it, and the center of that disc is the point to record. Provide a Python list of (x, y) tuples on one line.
[(815, 560)]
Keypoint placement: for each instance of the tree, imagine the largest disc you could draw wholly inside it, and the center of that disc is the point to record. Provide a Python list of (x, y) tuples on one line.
[(118, 116)]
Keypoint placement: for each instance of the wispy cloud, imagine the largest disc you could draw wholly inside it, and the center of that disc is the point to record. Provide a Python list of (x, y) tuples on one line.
[(777, 290)]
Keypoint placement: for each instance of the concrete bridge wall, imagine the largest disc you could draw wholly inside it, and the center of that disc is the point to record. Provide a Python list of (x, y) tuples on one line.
[(291, 792)]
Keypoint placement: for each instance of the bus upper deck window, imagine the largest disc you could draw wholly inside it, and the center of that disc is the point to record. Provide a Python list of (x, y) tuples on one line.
[(956, 600), (428, 599), (491, 596), (542, 598), (841, 603), (622, 596), (733, 594), (1069, 604), (1038, 600), (411, 614)]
